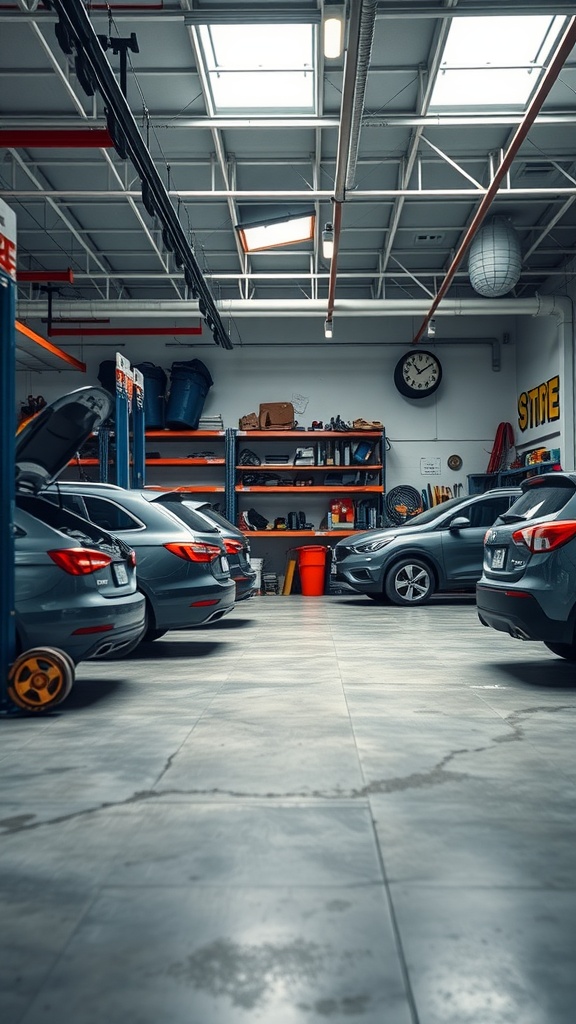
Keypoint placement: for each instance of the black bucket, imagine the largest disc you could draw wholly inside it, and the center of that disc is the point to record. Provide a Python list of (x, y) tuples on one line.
[(107, 375), (189, 384)]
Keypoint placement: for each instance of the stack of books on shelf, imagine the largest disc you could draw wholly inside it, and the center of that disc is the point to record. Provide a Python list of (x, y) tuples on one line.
[(213, 422)]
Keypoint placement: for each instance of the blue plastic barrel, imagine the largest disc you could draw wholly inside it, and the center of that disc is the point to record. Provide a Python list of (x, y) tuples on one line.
[(154, 394), (190, 382)]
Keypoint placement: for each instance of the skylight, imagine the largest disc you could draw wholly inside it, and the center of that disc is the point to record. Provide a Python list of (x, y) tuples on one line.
[(260, 68), (489, 62)]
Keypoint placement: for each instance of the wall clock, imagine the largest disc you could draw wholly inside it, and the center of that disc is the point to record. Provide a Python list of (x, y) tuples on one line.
[(418, 374)]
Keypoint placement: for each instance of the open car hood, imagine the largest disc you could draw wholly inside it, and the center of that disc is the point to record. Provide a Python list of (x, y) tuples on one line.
[(47, 443)]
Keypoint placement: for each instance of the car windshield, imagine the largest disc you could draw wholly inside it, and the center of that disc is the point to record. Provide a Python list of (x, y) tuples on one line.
[(433, 513), (540, 501)]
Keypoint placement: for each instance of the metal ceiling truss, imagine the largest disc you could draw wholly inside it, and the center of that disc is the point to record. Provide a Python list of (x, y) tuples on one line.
[(76, 33)]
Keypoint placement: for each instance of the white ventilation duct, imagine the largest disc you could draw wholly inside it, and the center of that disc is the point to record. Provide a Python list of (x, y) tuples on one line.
[(495, 258)]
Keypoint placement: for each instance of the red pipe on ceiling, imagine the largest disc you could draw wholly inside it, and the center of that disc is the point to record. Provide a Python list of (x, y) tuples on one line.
[(55, 138), (45, 275), (143, 332), (554, 68)]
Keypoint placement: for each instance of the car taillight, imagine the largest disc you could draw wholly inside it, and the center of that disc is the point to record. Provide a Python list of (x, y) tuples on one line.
[(131, 558), (79, 561), (233, 547), (195, 552), (545, 537)]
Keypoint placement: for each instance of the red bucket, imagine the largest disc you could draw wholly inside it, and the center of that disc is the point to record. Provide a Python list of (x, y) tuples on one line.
[(312, 569)]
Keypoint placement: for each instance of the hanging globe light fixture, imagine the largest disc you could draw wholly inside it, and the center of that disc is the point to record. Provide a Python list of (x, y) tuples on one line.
[(495, 258)]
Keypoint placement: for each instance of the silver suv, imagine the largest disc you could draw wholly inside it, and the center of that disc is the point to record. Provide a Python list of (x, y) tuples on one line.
[(528, 584)]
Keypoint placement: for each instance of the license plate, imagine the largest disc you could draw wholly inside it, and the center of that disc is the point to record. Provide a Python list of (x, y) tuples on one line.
[(120, 574), (224, 564), (498, 557)]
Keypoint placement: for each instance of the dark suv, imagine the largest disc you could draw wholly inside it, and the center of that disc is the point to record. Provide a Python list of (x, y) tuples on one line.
[(528, 584)]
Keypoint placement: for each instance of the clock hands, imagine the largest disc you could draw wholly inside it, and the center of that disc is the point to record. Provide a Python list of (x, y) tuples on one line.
[(428, 365)]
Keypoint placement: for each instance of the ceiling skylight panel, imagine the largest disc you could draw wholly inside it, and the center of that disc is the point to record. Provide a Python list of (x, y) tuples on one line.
[(494, 61), (257, 67)]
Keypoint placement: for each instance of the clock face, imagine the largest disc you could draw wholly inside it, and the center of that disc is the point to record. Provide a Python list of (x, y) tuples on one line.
[(418, 374)]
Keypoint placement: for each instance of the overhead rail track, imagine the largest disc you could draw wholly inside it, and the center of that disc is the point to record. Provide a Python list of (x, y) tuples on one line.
[(75, 33)]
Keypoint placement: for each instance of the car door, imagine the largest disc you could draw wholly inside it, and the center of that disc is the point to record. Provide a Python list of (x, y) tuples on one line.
[(463, 547)]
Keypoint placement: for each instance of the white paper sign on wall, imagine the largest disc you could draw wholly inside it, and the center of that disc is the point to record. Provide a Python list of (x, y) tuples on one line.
[(430, 467)]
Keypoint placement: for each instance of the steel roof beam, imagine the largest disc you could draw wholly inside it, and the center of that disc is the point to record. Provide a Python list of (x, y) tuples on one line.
[(361, 195), (400, 120), (565, 46), (308, 13)]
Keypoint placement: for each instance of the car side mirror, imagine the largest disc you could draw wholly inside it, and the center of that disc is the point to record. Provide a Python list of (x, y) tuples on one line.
[(459, 523)]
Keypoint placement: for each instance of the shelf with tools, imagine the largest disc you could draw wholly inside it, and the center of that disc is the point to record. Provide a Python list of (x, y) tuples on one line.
[(200, 471), (339, 477), (480, 482)]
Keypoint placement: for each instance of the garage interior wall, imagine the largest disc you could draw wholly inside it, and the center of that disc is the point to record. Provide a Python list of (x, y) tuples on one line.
[(353, 377)]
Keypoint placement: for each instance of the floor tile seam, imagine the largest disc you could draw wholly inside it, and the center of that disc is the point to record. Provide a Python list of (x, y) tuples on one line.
[(395, 925), (172, 757), (235, 886), (180, 798), (502, 887)]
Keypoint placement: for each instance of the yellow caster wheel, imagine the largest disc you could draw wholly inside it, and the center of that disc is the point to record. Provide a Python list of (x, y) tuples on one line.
[(40, 679)]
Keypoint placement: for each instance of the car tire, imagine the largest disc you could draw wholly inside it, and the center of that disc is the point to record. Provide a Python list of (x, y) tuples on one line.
[(566, 651), (410, 582), (154, 634), (150, 632)]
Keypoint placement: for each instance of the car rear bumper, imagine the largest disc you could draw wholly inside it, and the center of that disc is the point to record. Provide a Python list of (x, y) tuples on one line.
[(97, 631), (188, 605), (518, 612)]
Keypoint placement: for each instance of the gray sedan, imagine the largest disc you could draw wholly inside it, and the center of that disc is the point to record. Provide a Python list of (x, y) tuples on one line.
[(184, 577), (201, 515), (75, 585)]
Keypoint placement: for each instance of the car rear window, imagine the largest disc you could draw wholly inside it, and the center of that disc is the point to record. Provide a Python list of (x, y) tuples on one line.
[(216, 517), (543, 499), (195, 522), (61, 519), (109, 515)]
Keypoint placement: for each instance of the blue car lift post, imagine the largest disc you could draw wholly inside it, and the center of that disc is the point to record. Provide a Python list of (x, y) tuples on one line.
[(138, 432), (129, 402), (7, 470)]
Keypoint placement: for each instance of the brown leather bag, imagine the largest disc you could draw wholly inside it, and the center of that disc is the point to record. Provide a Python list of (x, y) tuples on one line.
[(249, 422), (277, 416)]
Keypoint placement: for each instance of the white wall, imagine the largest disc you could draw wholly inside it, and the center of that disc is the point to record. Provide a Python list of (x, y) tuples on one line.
[(351, 377)]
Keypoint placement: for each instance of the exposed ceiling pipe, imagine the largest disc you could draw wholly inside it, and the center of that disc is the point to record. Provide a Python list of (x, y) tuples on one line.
[(554, 68), (55, 138), (360, 36), (172, 309)]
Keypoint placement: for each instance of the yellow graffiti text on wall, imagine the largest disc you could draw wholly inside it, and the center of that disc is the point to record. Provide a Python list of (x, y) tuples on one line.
[(539, 405)]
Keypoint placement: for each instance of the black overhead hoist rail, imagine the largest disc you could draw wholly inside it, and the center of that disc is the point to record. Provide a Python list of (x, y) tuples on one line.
[(76, 35)]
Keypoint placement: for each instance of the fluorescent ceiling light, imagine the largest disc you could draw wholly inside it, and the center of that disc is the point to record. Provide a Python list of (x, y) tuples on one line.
[(259, 68), (333, 30), (273, 229), (490, 62)]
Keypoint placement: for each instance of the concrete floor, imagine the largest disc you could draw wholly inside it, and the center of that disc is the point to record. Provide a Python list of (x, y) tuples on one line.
[(319, 810)]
